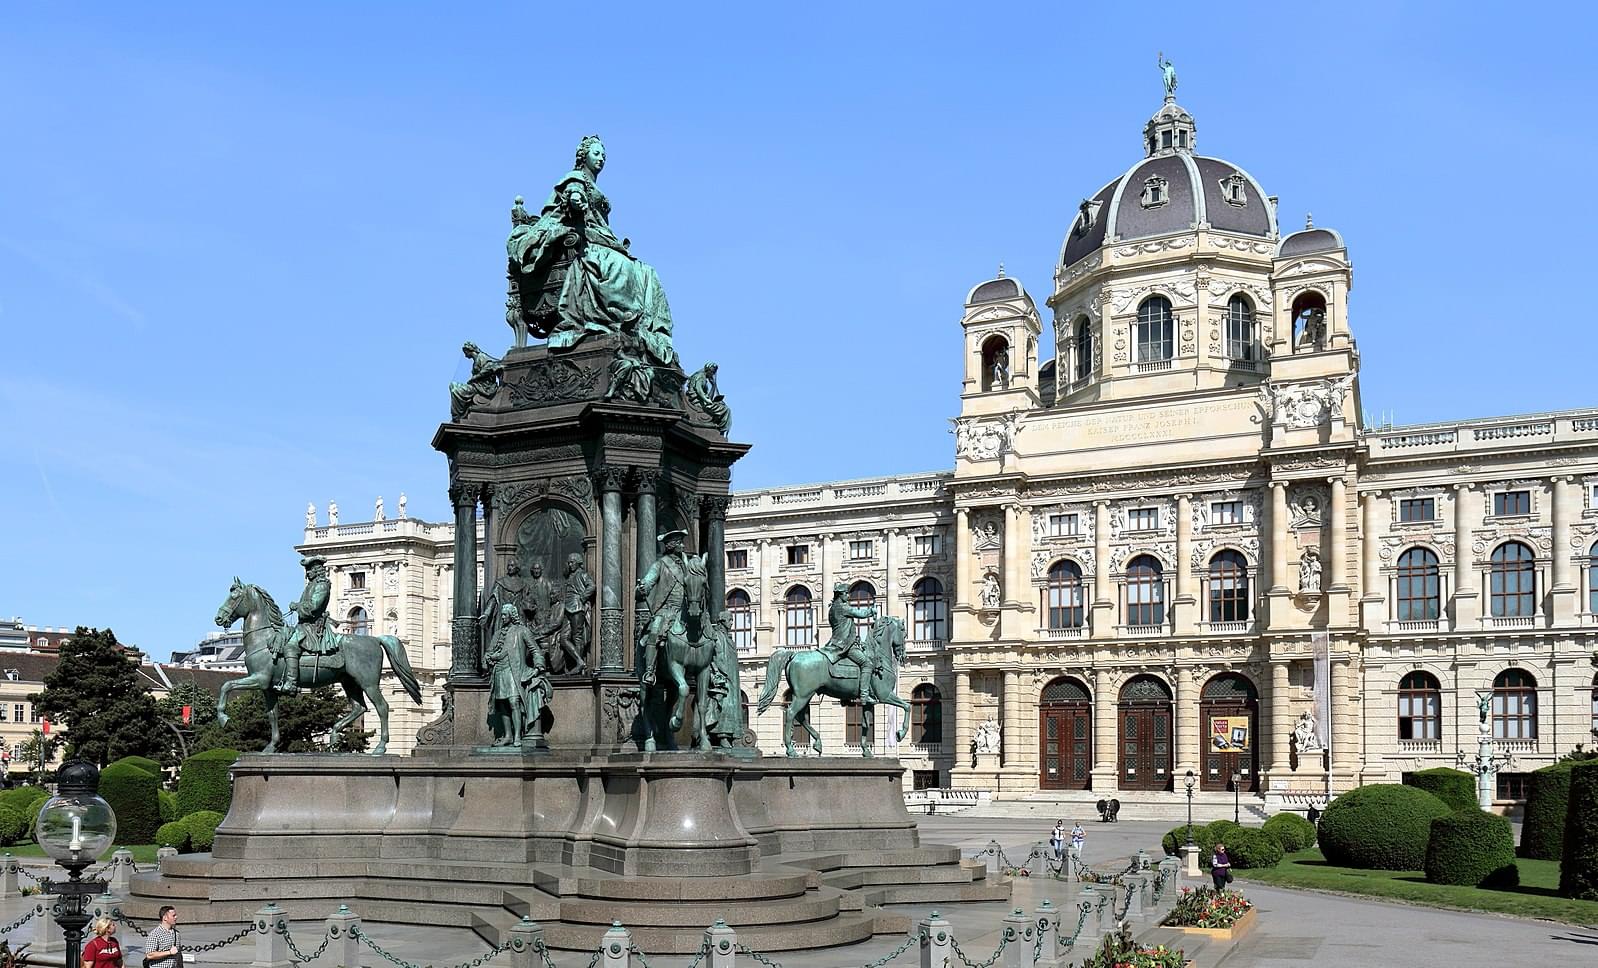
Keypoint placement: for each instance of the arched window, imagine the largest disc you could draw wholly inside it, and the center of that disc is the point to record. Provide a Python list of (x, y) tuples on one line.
[(1309, 321), (1084, 348), (1145, 591), (1228, 587), (929, 612), (1512, 579), (1153, 332), (799, 618), (996, 363), (926, 715), (1592, 579), (1419, 591), (357, 622), (741, 619), (861, 594), (1514, 705), (1062, 597), (1240, 341), (1420, 706)]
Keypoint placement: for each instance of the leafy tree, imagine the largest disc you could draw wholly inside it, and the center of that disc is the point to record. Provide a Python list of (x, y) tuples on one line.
[(303, 722), (95, 692), (180, 738), (27, 751)]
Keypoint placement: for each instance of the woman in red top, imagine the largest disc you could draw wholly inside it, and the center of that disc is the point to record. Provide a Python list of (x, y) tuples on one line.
[(102, 951)]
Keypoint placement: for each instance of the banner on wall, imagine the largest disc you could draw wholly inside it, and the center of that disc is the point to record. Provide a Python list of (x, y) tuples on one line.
[(1230, 734)]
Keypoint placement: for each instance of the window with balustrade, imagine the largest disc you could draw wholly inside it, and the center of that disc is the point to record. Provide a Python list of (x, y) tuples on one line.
[(929, 612), (1152, 340), (799, 616), (1145, 591), (1240, 341), (1084, 348), (862, 595), (1063, 596), (926, 715), (1512, 580), (1418, 583), (1420, 707), (1514, 705), (741, 619), (1228, 587)]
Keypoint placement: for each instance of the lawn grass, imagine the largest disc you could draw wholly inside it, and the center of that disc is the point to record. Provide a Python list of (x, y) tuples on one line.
[(1536, 897), (142, 853)]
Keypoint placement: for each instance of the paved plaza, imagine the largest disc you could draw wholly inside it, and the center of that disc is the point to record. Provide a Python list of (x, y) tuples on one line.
[(1295, 927)]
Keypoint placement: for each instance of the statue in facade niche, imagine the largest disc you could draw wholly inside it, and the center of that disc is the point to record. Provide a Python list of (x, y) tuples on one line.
[(991, 593), (999, 377), (1309, 572), (481, 385), (988, 737), (573, 277), (1305, 736), (702, 392)]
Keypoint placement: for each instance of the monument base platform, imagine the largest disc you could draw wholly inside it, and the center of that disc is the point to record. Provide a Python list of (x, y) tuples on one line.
[(794, 853)]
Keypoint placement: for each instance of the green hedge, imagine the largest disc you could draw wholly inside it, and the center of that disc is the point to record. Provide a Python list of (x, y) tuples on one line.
[(168, 802), (1204, 837), (144, 763), (1291, 831), (132, 794), (174, 834), (1578, 869), (16, 825), (1252, 847), (1473, 848), (1454, 787), (25, 797), (1384, 826), (203, 783), (202, 829), (1542, 834)]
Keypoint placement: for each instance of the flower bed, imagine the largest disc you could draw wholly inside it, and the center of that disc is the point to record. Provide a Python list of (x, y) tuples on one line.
[(1226, 914), (1119, 950)]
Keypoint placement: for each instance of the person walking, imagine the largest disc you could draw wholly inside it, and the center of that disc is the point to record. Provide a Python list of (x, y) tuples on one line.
[(1057, 841), (161, 944), (1220, 867), (1079, 839), (103, 950)]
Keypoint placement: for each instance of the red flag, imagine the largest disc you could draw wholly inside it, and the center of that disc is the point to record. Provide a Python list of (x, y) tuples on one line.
[(188, 714), (45, 727)]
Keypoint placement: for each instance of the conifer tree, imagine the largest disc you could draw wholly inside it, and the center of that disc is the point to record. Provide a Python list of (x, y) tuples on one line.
[(96, 696)]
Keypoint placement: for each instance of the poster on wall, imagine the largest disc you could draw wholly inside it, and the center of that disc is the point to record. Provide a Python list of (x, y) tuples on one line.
[(1229, 734)]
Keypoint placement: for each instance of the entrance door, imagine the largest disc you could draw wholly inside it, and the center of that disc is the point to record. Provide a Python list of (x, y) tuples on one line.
[(1065, 736), (1228, 730), (1145, 735)]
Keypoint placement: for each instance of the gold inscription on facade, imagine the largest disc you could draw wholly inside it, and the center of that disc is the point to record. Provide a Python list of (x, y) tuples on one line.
[(1112, 429)]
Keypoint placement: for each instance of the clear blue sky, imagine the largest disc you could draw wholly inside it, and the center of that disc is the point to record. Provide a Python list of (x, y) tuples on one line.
[(240, 245)]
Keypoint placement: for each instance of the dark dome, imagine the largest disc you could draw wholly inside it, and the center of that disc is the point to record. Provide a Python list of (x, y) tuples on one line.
[(993, 290), (1306, 241)]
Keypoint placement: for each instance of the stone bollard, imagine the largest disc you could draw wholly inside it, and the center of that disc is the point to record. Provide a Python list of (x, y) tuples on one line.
[(1135, 885), (1190, 858), (8, 876), (722, 944), (1090, 897), (162, 853), (617, 946), (526, 944), (103, 905), (47, 937), (937, 944), (1020, 939), (1142, 859), (271, 945), (1105, 911), (344, 928), (995, 868), (1046, 919), (121, 872)]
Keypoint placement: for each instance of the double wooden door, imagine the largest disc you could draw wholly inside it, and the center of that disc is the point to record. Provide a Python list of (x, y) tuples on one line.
[(1066, 754), (1145, 746), (1229, 749)]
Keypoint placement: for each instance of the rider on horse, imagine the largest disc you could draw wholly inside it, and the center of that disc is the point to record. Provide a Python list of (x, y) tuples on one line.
[(846, 642), (663, 590), (311, 607)]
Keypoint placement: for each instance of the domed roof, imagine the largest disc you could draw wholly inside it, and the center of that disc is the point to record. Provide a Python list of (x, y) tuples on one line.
[(1309, 239), (994, 290), (1172, 190)]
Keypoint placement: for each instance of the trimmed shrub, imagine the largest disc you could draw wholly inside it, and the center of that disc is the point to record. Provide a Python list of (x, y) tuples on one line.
[(1204, 837), (25, 798), (203, 783), (1384, 826), (202, 829), (1542, 834), (131, 793), (174, 834), (1252, 847), (1474, 848), (1578, 869), (168, 802), (1454, 787), (1291, 831), (144, 763), (15, 825)]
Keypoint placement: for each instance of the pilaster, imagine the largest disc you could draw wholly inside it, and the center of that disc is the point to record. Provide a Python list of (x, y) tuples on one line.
[(1373, 597), (610, 480), (1104, 733), (1337, 587), (1563, 596), (1279, 598), (1281, 770), (1102, 611), (1185, 606), (1465, 604), (1185, 694)]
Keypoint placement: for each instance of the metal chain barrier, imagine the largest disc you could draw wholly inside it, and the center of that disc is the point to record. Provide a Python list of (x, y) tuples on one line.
[(1082, 918), (216, 945), (1004, 939), (123, 919), (300, 956), (19, 922), (393, 959), (745, 949), (30, 875), (1121, 914), (894, 954)]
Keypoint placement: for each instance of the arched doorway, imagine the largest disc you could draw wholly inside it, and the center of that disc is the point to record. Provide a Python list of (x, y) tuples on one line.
[(1229, 712), (1065, 735), (1144, 758)]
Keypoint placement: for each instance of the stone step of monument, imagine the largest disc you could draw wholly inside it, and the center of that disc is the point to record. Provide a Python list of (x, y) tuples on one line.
[(603, 885), (852, 877), (936, 893), (885, 857), (849, 928), (818, 905)]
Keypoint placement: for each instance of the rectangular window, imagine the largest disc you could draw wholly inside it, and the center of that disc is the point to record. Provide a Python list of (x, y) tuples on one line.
[(1064, 525), (1226, 512), (742, 627), (861, 550), (1417, 509), (357, 581), (737, 558), (35, 715), (924, 780), (2, 713), (18, 711), (1513, 786), (1511, 503), (1143, 519), (799, 554), (1419, 713), (1514, 714), (928, 544)]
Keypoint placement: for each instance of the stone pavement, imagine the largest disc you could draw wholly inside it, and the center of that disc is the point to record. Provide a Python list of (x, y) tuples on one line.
[(1295, 927)]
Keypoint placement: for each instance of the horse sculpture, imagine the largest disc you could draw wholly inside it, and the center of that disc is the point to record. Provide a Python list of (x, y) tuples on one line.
[(359, 671), (810, 673), (689, 651)]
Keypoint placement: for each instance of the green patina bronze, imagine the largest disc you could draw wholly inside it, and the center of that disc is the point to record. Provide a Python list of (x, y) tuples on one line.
[(702, 393), (571, 277), (481, 385), (1167, 74), (519, 687), (840, 670), (354, 662)]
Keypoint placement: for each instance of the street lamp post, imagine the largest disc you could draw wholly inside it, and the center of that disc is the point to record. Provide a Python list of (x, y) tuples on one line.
[(1237, 798), (1190, 851), (74, 827), (1187, 781)]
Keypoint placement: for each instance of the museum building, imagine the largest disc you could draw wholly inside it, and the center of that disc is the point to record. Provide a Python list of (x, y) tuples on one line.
[(1170, 548)]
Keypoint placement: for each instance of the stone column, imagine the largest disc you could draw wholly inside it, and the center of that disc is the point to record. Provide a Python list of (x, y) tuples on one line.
[(962, 719), (825, 551), (490, 561), (1185, 610), (1103, 608), (1280, 581), (713, 510), (1337, 588), (962, 557), (890, 600), (464, 660), (1373, 596), (1104, 733), (1012, 719), (1340, 709), (1185, 749), (644, 517), (1014, 548), (610, 590), (1563, 595), (1281, 776), (764, 608), (1465, 600)]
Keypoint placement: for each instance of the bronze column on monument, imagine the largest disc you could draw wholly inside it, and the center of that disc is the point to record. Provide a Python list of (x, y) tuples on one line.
[(490, 572), (464, 661), (713, 511), (644, 480), (610, 591)]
